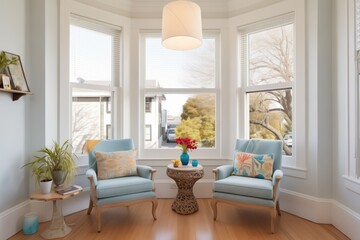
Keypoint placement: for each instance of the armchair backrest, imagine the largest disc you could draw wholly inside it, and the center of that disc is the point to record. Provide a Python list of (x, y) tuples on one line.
[(261, 146), (109, 146)]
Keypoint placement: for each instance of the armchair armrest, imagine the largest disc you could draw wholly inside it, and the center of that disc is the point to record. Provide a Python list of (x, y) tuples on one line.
[(146, 171), (91, 175), (278, 174), (222, 172)]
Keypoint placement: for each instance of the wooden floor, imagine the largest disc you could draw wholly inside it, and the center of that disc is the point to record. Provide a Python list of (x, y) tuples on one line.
[(136, 223)]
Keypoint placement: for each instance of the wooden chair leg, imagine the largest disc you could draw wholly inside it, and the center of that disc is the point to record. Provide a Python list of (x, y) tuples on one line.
[(214, 208), (91, 204), (154, 206), (278, 208)]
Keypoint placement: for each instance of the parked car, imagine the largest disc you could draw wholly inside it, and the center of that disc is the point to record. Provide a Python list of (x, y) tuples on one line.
[(288, 140), (170, 135)]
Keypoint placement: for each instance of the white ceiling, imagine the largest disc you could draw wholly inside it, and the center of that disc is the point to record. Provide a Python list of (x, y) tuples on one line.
[(153, 8)]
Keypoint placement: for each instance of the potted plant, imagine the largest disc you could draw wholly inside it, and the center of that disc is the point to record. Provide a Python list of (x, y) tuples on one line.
[(186, 144), (4, 63), (42, 172), (58, 160)]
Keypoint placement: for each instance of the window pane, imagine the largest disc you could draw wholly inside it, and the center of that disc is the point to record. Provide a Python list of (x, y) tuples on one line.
[(91, 116), (90, 56), (271, 56), (180, 115), (179, 69), (271, 116)]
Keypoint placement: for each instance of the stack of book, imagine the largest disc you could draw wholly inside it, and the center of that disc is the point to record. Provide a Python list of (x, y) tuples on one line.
[(68, 190)]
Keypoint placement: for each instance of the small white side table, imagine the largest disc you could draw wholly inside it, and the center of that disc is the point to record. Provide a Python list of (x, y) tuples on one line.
[(58, 227)]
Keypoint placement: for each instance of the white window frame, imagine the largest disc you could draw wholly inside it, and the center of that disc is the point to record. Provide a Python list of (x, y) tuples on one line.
[(351, 176), (295, 164), (200, 153), (66, 86), (353, 169)]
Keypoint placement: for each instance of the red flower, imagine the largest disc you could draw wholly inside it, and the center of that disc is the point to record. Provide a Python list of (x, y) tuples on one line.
[(186, 143)]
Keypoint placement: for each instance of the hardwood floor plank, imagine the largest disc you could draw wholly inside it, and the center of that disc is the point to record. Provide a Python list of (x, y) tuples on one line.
[(136, 223)]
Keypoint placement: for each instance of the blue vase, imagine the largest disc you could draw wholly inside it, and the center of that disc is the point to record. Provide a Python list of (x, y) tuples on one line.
[(184, 158), (30, 223)]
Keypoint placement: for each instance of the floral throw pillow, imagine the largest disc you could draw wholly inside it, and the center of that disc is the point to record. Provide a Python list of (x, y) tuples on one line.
[(116, 164), (253, 165)]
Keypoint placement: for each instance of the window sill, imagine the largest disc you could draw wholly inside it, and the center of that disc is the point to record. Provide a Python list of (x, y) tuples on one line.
[(82, 164), (82, 159), (352, 184), (294, 171)]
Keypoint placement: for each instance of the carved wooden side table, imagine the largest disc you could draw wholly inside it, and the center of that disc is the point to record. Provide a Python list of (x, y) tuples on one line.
[(58, 228), (185, 178)]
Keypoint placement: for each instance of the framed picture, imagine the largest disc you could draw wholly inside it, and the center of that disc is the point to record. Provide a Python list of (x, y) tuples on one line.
[(17, 74), (6, 82)]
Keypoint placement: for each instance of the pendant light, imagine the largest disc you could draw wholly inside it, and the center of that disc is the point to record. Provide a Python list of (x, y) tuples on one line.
[(181, 25)]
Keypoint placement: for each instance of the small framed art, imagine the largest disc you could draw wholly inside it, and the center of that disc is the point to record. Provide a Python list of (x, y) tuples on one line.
[(6, 82), (17, 74)]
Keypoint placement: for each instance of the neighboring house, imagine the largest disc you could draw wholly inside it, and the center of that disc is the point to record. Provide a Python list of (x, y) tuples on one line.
[(154, 127)]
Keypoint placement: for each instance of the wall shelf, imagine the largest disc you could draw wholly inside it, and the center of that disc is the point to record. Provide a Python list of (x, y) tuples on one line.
[(16, 93)]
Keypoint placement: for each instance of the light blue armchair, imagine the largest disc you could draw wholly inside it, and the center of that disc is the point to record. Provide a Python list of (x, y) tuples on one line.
[(249, 191), (120, 191)]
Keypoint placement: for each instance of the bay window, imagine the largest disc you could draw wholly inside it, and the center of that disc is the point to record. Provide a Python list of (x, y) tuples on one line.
[(94, 77), (267, 51), (179, 95)]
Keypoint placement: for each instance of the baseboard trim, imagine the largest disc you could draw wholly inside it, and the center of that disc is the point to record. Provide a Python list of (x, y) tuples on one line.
[(341, 217), (319, 210), (312, 208), (11, 219)]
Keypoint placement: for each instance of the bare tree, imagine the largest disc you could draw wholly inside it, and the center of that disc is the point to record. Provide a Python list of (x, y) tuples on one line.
[(271, 61), (84, 125), (200, 68)]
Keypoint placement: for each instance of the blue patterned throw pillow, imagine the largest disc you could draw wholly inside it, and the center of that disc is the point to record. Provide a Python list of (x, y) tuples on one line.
[(253, 165)]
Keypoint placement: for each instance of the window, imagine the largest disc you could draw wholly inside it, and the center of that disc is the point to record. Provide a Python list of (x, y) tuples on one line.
[(94, 75), (356, 87), (180, 93), (148, 133), (148, 102), (267, 78), (354, 91)]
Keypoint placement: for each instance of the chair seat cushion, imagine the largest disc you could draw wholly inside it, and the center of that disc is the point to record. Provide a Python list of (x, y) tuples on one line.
[(123, 186), (245, 186)]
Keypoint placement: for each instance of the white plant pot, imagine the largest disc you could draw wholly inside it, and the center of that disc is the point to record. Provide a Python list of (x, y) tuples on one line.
[(45, 187)]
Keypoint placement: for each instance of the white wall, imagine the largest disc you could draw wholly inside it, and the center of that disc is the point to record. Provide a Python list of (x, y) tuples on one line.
[(14, 120), (29, 29), (14, 114), (43, 49), (341, 91), (343, 61)]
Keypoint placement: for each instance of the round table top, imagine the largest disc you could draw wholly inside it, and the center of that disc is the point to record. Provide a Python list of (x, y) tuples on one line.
[(185, 168), (52, 195)]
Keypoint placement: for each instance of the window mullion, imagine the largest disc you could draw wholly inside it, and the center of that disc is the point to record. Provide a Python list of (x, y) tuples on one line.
[(269, 87), (179, 90), (94, 87)]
